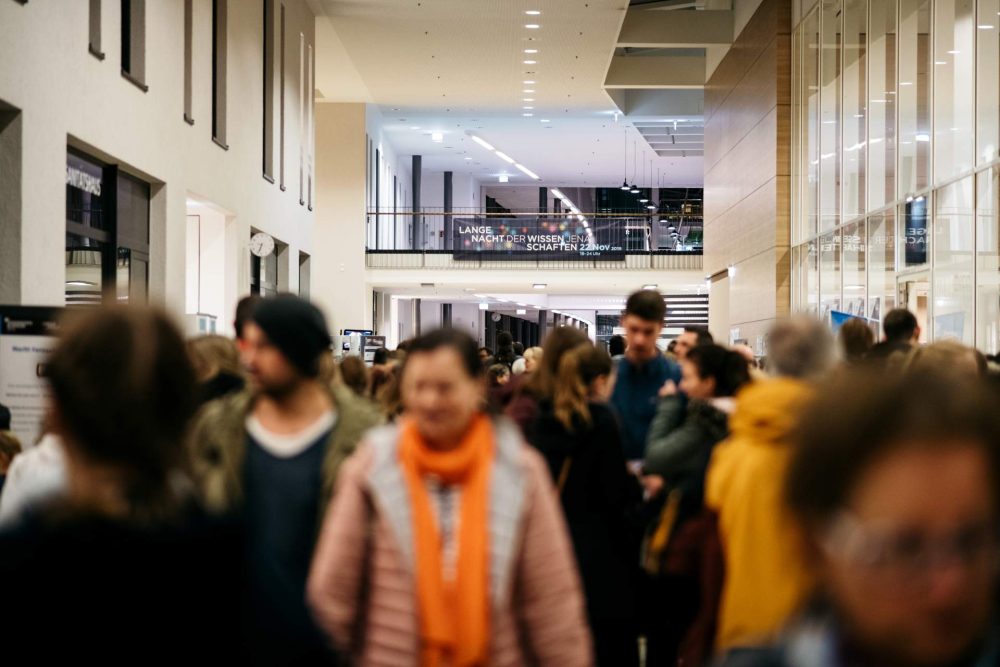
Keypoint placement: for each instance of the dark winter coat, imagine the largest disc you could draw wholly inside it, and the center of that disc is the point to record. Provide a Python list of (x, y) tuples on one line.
[(596, 497)]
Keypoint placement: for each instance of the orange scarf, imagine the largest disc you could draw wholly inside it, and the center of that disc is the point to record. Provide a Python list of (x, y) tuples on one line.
[(454, 616)]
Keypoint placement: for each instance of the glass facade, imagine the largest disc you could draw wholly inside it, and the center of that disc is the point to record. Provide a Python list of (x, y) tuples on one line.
[(895, 170)]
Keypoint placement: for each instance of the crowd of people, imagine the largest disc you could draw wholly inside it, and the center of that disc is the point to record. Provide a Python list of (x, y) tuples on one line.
[(833, 503)]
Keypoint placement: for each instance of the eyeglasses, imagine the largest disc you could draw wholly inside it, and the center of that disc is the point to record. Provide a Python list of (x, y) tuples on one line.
[(908, 555)]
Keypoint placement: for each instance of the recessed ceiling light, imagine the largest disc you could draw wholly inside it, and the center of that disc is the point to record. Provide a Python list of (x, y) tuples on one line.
[(414, 127), (527, 115), (503, 178), (532, 12), (530, 62), (546, 120), (529, 99), (532, 26), (469, 159), (437, 137), (528, 90), (528, 83), (528, 108), (539, 285), (531, 50)]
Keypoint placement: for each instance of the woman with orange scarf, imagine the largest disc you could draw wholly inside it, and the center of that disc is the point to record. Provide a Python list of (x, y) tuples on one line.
[(444, 545)]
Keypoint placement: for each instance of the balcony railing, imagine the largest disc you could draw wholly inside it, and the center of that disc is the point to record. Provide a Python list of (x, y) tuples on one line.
[(533, 236), (639, 260)]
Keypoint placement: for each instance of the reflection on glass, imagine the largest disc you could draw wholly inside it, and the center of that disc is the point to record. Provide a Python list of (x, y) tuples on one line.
[(83, 270), (915, 65), (954, 87), (988, 77), (829, 157), (829, 266), (810, 280), (882, 105), (85, 192), (953, 282), (132, 276), (915, 238), (810, 88), (987, 263), (881, 265), (855, 87), (854, 249)]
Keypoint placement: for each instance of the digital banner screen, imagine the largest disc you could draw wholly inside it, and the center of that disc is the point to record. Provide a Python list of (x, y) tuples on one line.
[(532, 239)]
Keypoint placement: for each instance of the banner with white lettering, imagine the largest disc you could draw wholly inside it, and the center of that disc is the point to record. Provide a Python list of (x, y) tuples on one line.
[(532, 239)]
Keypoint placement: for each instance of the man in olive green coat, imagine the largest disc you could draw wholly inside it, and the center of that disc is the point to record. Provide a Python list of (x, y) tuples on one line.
[(270, 456)]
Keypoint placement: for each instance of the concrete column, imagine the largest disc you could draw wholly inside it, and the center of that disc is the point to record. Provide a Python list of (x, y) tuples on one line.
[(415, 306), (448, 205), (446, 315), (543, 199), (338, 266), (417, 231), (543, 325)]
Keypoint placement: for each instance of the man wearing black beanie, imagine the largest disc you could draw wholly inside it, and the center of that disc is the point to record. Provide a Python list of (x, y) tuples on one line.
[(271, 454)]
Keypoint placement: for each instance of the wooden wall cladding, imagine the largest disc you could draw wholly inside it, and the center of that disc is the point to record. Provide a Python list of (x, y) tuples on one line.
[(747, 166)]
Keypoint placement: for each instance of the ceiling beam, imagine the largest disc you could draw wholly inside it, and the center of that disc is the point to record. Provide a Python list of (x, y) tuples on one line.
[(656, 72), (644, 28)]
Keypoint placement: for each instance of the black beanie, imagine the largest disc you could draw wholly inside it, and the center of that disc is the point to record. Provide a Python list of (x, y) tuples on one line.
[(296, 327)]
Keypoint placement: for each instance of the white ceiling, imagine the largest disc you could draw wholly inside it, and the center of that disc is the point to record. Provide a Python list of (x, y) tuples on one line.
[(456, 66)]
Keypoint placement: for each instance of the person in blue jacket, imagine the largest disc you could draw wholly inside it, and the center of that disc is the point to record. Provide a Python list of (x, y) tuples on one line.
[(642, 372)]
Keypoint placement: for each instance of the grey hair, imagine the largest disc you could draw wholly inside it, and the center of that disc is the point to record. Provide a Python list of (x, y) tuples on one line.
[(800, 347)]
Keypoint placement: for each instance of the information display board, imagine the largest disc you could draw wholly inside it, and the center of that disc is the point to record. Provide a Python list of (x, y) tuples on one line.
[(27, 338), (546, 238)]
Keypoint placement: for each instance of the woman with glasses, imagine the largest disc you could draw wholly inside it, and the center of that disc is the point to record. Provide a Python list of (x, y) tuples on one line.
[(895, 486)]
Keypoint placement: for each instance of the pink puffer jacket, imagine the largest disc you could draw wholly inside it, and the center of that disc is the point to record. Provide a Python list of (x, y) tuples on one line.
[(361, 587)]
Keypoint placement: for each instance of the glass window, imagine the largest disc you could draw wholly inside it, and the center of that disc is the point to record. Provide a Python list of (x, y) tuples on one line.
[(915, 65), (881, 106), (133, 42), (987, 263), (810, 125), (881, 258), (988, 74), (829, 158), (132, 276), (952, 288), (811, 280), (829, 279), (84, 273), (954, 87), (84, 198), (855, 87), (915, 234), (220, 45), (855, 264)]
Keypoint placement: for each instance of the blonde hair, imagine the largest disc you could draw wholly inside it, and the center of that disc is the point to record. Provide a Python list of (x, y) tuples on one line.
[(533, 354), (211, 355), (578, 368), (946, 356)]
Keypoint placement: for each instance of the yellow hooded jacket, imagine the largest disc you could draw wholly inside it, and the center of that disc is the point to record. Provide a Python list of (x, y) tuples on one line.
[(767, 579)]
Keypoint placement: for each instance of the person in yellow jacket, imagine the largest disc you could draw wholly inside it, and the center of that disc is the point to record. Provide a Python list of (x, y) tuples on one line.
[(767, 578)]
